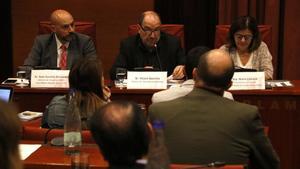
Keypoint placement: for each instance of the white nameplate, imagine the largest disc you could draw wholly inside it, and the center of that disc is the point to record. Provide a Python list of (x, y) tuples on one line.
[(248, 81), (146, 80), (49, 78)]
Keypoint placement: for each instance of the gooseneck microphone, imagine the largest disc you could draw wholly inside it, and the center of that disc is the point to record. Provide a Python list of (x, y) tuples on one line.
[(156, 53), (215, 164)]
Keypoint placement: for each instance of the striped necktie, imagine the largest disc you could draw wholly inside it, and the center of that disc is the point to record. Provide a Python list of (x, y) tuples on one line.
[(63, 57)]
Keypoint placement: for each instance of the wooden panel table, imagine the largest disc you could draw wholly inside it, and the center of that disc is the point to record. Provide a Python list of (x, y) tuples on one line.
[(279, 108), (280, 111), (49, 157)]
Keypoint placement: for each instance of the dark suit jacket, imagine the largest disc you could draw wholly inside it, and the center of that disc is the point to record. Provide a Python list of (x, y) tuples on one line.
[(133, 54), (44, 50), (203, 127)]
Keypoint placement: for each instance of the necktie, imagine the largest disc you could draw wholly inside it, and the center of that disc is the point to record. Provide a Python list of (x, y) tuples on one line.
[(63, 57)]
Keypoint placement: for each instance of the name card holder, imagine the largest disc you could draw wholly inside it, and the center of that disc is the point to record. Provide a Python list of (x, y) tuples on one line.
[(146, 80), (248, 81), (49, 78)]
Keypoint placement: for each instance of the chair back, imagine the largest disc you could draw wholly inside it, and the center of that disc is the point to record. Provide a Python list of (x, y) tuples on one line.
[(172, 29), (31, 131), (87, 28), (222, 34)]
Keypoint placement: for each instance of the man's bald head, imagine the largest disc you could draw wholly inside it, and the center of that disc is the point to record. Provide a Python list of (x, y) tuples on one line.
[(60, 16), (216, 68), (149, 17), (120, 130), (149, 28), (62, 24)]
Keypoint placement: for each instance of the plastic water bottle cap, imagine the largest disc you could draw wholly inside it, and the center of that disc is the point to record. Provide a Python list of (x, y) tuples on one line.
[(158, 124)]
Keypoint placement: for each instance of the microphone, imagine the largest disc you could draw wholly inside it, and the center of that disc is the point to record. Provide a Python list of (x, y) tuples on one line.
[(215, 164), (156, 52)]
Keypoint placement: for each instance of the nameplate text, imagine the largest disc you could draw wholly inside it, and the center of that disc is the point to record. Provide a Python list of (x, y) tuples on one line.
[(146, 80), (49, 78), (248, 81)]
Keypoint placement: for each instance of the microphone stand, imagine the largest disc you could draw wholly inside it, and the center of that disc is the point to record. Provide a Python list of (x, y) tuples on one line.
[(156, 52)]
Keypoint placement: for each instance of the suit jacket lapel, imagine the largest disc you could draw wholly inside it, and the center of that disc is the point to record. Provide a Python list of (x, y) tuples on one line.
[(73, 53), (53, 51)]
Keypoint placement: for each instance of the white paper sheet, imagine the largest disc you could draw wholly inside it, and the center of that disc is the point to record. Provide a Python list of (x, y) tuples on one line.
[(27, 149)]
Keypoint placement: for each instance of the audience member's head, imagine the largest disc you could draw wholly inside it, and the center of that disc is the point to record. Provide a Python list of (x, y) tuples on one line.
[(121, 131), (149, 28), (86, 78), (244, 34), (86, 75), (10, 133), (215, 70), (193, 58), (62, 24)]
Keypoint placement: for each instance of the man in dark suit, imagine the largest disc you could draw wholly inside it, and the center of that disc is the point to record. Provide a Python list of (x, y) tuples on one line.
[(61, 48), (122, 133), (203, 127), (151, 49)]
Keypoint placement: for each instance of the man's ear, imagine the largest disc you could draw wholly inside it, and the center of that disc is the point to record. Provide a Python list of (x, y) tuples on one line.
[(139, 28), (53, 28), (229, 85), (150, 130), (195, 74)]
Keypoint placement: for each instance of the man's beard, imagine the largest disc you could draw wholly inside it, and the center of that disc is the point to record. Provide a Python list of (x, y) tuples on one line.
[(68, 38)]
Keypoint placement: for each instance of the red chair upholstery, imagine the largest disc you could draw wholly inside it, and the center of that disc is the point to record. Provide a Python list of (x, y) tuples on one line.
[(222, 33), (172, 29), (266, 130), (87, 28), (31, 131)]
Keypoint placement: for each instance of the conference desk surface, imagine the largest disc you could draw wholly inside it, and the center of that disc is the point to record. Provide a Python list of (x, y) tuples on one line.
[(278, 108), (36, 99), (50, 157)]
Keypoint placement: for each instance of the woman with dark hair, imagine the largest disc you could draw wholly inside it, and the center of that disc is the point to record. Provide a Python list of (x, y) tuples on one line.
[(10, 134), (86, 79), (246, 48)]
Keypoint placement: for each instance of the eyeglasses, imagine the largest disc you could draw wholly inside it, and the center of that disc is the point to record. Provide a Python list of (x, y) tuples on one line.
[(240, 37), (149, 31)]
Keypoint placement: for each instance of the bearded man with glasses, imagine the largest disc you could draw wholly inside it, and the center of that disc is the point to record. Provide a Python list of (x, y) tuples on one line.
[(151, 49)]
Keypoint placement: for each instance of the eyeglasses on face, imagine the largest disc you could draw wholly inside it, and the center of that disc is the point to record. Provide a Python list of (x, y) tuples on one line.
[(150, 31), (246, 37)]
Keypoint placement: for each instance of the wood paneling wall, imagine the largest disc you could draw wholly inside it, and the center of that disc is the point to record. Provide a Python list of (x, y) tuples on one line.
[(111, 16), (291, 49)]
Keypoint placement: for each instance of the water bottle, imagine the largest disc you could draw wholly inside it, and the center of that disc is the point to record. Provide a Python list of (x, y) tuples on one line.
[(72, 126), (158, 157)]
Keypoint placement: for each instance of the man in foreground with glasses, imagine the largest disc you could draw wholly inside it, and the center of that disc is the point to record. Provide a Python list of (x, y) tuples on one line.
[(61, 48), (151, 49)]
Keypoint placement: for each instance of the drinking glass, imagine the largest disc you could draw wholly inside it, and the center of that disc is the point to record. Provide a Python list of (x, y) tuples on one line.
[(80, 161), (120, 77), (21, 75)]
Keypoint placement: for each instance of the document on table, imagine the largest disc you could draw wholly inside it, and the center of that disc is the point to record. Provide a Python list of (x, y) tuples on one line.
[(27, 149), (278, 83)]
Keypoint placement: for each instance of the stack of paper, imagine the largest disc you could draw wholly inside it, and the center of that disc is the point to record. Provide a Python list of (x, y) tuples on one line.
[(29, 115)]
